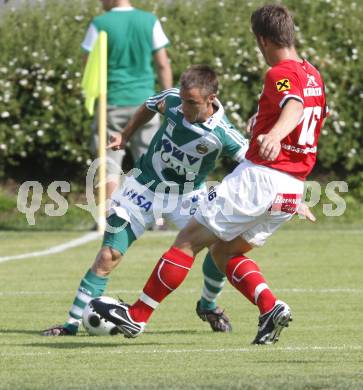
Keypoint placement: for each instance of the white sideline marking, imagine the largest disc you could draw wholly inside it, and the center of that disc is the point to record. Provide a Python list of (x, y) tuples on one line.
[(194, 290), (72, 244), (54, 249), (252, 350)]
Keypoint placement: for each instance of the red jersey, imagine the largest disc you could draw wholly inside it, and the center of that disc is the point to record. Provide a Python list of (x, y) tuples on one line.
[(291, 80)]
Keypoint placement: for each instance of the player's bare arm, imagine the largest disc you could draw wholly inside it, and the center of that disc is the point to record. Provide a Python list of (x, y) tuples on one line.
[(142, 116), (270, 143)]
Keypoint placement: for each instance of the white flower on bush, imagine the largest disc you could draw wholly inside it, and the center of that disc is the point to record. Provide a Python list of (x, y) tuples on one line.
[(69, 61), (79, 159), (50, 107), (35, 123), (29, 138), (352, 152), (245, 78), (77, 74), (23, 82), (337, 127), (35, 95), (50, 73), (40, 133), (89, 161), (24, 72), (5, 114), (218, 62), (23, 153), (236, 77), (15, 126), (235, 116), (3, 69), (45, 103), (12, 141), (69, 86), (164, 19), (49, 89), (79, 18), (3, 147), (35, 54)]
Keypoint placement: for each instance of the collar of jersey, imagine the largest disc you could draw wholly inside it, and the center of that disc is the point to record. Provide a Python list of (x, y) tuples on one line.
[(122, 9), (211, 122)]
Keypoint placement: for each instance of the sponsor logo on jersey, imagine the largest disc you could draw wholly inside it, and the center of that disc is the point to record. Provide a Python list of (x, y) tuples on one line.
[(313, 92), (283, 85), (311, 81), (136, 198), (175, 158), (202, 148), (287, 203)]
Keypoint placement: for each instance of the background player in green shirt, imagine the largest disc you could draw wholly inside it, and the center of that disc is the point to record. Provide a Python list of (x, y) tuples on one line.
[(136, 42), (168, 181)]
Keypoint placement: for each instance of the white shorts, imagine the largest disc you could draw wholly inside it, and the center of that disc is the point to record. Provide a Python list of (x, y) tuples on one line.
[(135, 203), (253, 202)]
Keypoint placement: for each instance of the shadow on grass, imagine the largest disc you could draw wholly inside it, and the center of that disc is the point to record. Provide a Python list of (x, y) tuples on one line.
[(77, 345), (20, 331), (176, 331)]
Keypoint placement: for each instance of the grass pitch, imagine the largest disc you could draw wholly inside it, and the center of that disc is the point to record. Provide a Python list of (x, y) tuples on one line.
[(317, 271)]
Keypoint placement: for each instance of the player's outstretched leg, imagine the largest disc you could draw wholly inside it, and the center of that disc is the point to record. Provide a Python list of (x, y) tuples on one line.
[(207, 308), (91, 286), (245, 275), (168, 274)]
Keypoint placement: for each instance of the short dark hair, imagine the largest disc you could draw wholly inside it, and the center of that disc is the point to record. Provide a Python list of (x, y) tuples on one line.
[(202, 77), (274, 21)]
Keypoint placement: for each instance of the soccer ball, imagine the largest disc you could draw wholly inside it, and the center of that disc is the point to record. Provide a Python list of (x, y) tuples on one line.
[(94, 324)]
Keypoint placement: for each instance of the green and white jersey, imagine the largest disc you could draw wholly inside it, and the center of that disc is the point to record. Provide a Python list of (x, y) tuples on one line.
[(134, 36), (185, 153)]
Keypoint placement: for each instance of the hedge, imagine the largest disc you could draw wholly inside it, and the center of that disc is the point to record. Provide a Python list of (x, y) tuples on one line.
[(45, 131)]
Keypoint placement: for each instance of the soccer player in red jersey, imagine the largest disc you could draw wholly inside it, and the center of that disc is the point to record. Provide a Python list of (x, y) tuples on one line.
[(258, 196)]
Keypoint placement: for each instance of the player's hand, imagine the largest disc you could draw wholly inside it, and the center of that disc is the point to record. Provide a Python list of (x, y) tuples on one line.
[(304, 212), (270, 146), (250, 123), (116, 142)]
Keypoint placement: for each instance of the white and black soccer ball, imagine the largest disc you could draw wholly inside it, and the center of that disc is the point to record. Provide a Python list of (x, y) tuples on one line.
[(94, 324)]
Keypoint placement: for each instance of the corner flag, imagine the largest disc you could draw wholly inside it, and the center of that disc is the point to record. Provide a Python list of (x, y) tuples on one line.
[(94, 84), (94, 81)]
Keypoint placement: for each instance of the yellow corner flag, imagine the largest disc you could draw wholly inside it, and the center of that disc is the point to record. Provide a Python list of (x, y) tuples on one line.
[(94, 81), (94, 84)]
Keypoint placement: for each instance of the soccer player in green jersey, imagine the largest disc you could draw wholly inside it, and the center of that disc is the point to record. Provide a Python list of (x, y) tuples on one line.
[(168, 181)]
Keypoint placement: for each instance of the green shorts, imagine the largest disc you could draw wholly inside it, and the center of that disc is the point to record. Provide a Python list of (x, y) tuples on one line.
[(121, 240)]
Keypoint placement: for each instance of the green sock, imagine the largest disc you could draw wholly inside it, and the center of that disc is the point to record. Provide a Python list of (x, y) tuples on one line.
[(213, 283), (91, 286)]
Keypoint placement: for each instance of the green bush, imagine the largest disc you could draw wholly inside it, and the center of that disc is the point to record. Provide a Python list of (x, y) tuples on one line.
[(42, 120)]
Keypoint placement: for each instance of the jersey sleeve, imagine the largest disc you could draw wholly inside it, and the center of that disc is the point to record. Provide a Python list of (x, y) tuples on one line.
[(281, 85), (160, 40), (235, 145), (159, 102), (90, 38)]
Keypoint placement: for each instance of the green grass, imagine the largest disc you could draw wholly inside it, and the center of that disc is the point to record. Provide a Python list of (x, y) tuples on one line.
[(317, 271)]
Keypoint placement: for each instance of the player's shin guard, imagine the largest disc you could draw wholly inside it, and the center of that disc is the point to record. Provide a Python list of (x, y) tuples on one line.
[(168, 274), (91, 286), (214, 281), (245, 275)]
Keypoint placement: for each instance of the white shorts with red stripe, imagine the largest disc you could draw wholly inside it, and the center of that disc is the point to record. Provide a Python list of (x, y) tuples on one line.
[(253, 202)]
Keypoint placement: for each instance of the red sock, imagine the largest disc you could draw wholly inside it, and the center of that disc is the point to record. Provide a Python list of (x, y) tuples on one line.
[(245, 275), (168, 274)]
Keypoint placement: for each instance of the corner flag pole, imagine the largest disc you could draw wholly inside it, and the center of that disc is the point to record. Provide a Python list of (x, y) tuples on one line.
[(102, 120)]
